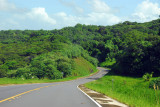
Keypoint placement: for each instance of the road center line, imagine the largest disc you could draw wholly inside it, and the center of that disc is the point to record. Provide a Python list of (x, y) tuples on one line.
[(13, 97)]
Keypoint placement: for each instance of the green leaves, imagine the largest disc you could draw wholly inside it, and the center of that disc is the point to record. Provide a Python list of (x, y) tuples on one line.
[(65, 68), (147, 76), (133, 46), (155, 82)]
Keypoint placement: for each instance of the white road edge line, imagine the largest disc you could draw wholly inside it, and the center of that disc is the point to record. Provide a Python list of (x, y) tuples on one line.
[(90, 97)]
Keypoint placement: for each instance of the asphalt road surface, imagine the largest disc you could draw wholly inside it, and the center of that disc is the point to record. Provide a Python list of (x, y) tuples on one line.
[(60, 94)]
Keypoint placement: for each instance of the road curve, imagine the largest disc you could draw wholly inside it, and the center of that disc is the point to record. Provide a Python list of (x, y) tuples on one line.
[(61, 94)]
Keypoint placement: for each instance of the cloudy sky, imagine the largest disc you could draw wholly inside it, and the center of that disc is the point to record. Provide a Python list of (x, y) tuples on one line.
[(56, 14)]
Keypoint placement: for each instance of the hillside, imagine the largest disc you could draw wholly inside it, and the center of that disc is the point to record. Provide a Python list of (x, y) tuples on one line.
[(129, 48), (41, 56)]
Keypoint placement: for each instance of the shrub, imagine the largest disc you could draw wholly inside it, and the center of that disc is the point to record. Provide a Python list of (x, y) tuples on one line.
[(108, 63), (38, 72), (155, 82), (38, 68), (12, 65), (76, 51), (54, 74), (27, 75), (11, 74), (19, 72), (3, 71), (147, 76), (92, 60), (57, 75), (50, 72), (65, 67), (24, 73)]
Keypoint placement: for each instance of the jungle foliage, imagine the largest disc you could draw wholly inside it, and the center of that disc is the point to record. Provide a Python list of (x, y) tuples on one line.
[(129, 48), (39, 54)]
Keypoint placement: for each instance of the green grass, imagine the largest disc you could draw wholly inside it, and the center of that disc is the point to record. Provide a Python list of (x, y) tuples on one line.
[(108, 62), (82, 69), (9, 81), (131, 91)]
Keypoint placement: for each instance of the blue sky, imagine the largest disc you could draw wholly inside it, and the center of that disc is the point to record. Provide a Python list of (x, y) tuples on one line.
[(56, 14)]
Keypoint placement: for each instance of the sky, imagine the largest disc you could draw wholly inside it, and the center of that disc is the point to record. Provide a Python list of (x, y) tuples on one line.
[(56, 14)]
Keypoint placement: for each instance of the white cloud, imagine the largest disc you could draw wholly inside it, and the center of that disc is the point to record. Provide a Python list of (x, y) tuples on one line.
[(65, 20), (41, 15), (37, 18), (146, 11), (99, 6), (78, 10), (102, 18), (75, 8), (61, 14), (100, 14), (6, 6), (8, 24)]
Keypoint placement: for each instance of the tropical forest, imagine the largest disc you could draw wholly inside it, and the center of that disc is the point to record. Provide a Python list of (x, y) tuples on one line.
[(129, 50)]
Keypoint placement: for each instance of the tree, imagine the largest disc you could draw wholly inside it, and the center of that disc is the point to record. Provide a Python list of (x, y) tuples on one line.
[(65, 67)]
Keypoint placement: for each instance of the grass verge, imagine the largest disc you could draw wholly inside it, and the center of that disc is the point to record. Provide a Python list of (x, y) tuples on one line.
[(82, 69), (134, 92)]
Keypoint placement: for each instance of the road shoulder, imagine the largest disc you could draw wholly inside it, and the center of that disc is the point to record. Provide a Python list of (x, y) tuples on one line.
[(102, 100)]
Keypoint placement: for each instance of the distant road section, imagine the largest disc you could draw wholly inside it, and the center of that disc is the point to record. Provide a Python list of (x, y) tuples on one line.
[(61, 94)]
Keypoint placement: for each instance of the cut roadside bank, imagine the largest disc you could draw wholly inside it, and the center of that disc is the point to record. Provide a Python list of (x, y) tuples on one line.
[(100, 99)]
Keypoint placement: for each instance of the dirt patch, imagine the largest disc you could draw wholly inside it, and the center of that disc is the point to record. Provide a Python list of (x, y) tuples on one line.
[(96, 95), (103, 100), (107, 105)]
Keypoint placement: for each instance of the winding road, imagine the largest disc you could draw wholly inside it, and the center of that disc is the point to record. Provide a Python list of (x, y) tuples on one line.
[(59, 94)]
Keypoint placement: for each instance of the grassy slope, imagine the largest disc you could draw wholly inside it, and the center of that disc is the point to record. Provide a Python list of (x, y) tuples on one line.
[(82, 68), (131, 91)]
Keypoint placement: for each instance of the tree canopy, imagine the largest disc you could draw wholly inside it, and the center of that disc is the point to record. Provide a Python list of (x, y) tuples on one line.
[(129, 48)]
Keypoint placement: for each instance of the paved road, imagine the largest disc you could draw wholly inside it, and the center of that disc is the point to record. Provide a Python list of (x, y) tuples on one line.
[(62, 94)]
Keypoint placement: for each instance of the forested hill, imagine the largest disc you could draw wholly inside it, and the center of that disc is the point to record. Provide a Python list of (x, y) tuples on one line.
[(41, 54), (129, 48)]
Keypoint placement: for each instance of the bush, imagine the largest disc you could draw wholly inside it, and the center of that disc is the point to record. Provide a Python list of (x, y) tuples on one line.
[(52, 72), (38, 72), (155, 82), (24, 73), (57, 75), (12, 65), (92, 60), (108, 63), (3, 71), (147, 76), (65, 67), (27, 75), (38, 68), (76, 51), (43, 67)]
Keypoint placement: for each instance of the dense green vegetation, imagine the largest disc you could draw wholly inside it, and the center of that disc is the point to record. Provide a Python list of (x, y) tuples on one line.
[(132, 47), (133, 56), (134, 92), (82, 68), (39, 54), (129, 48)]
